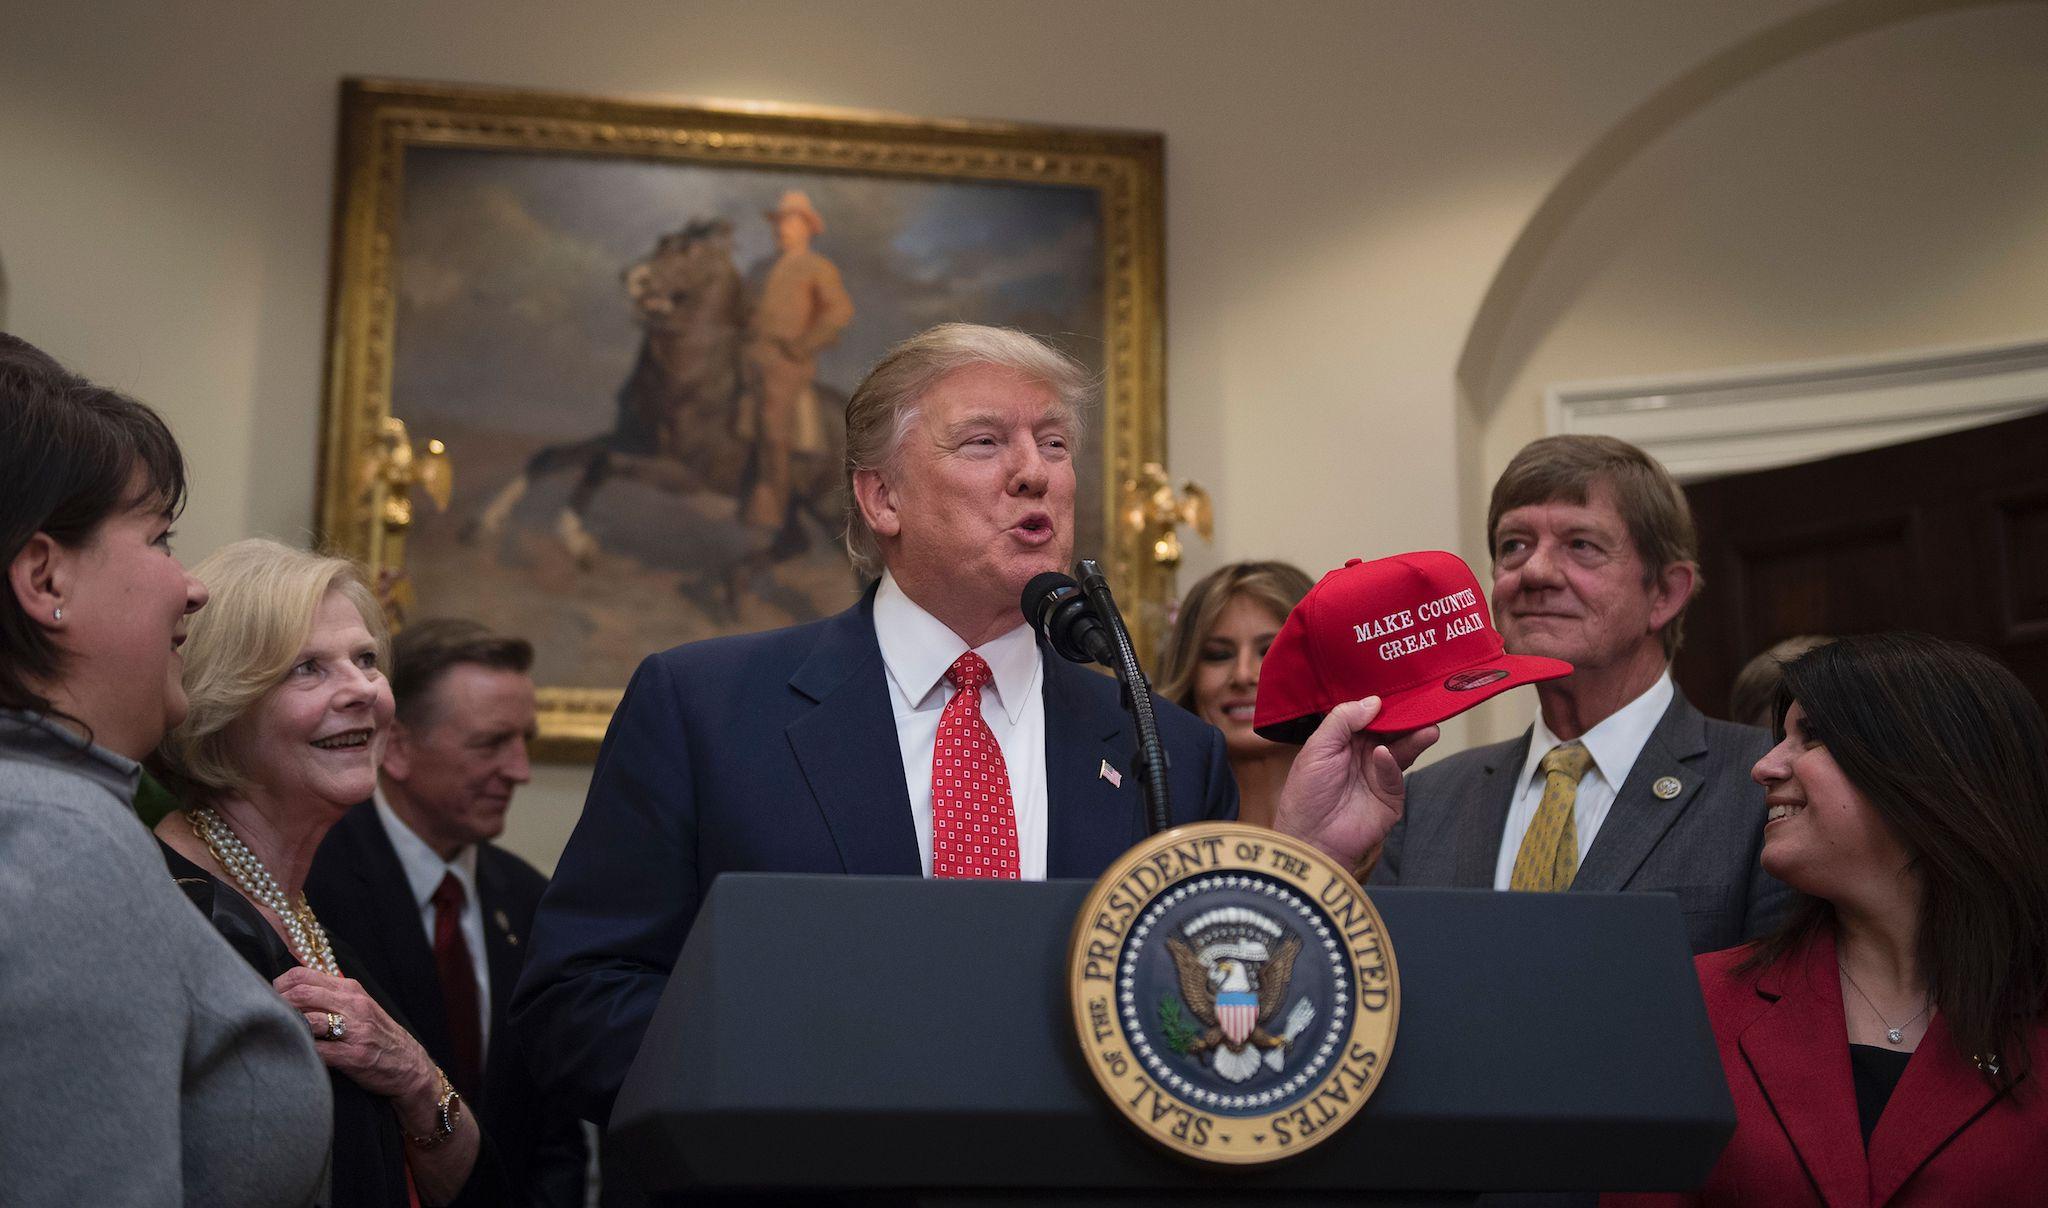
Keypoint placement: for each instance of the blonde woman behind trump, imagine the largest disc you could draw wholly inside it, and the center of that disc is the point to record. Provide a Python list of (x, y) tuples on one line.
[(1219, 639)]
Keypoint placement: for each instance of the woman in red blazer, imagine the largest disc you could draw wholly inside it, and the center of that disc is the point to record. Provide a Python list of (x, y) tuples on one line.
[(1881, 1045)]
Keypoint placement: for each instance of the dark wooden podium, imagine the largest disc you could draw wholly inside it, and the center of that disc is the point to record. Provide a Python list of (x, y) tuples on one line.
[(911, 1039)]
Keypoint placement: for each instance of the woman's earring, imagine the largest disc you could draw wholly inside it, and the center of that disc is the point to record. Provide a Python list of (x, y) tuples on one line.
[(57, 615)]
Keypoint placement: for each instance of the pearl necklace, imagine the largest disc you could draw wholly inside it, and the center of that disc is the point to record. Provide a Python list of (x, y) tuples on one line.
[(308, 937)]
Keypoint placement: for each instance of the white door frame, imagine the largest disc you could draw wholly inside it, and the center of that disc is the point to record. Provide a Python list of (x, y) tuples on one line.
[(1733, 421)]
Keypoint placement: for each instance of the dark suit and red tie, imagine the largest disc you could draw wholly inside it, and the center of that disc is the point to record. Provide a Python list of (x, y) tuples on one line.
[(776, 752), (360, 892), (815, 748), (809, 749)]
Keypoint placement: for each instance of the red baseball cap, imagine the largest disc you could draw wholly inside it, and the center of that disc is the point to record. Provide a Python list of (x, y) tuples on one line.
[(1412, 630)]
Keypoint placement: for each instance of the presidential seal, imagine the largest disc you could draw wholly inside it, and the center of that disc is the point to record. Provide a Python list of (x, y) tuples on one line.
[(1234, 992)]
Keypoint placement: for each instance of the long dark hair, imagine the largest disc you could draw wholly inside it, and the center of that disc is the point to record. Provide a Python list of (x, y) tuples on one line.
[(68, 453), (1951, 751)]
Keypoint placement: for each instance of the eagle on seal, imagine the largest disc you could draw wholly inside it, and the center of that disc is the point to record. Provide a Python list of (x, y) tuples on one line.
[(1250, 995)]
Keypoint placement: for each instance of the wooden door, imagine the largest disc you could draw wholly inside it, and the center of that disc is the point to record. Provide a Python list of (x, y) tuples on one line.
[(1947, 535)]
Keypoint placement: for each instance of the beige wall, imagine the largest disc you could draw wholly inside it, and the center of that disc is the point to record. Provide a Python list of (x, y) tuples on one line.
[(1881, 194), (1343, 182)]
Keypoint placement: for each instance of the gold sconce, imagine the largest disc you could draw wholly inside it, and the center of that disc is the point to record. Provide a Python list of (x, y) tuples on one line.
[(1155, 512), (389, 474)]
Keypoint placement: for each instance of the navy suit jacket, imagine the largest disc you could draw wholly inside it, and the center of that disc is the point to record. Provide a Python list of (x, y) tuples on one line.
[(358, 889), (777, 752)]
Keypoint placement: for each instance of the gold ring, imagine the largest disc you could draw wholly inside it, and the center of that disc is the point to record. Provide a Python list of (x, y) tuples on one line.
[(337, 1027)]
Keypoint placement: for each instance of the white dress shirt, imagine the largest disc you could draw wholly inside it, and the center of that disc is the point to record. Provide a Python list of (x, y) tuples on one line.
[(424, 869), (1614, 744), (917, 650)]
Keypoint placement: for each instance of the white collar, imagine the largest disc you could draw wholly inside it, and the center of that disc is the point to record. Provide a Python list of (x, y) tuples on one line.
[(1615, 741), (918, 649), (424, 866)]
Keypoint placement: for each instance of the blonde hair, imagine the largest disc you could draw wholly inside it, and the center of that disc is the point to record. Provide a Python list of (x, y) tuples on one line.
[(262, 599), (883, 406), (1277, 585)]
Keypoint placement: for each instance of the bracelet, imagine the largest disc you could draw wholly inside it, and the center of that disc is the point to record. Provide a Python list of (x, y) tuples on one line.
[(450, 1109)]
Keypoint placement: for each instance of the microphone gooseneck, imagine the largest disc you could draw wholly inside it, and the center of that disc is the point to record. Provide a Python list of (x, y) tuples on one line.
[(1149, 761)]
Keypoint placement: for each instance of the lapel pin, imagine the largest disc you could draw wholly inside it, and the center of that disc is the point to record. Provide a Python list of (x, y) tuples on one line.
[(1115, 778), (1666, 787), (499, 917)]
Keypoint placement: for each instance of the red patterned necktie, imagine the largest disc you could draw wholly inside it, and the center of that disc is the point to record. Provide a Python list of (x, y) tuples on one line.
[(974, 827), (458, 989)]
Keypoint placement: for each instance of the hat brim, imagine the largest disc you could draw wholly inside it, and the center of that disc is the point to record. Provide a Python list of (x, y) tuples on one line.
[(1436, 701)]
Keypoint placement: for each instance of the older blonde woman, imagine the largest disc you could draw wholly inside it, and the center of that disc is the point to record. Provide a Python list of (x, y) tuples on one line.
[(288, 709), (1219, 640)]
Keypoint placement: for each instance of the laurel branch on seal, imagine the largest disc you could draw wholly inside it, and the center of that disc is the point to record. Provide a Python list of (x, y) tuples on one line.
[(1175, 1026)]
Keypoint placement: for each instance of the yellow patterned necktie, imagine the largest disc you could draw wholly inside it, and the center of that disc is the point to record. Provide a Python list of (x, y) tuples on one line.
[(1549, 856)]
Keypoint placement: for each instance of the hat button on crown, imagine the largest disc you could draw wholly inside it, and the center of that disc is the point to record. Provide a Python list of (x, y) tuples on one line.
[(1354, 562)]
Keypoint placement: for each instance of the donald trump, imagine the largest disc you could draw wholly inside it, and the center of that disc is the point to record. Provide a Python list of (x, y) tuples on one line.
[(923, 731)]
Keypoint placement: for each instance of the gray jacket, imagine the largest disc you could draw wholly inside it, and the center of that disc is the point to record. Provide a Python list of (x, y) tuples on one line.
[(141, 1061), (1700, 844)]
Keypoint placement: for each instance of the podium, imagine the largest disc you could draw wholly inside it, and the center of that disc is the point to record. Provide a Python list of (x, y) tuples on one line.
[(867, 1035)]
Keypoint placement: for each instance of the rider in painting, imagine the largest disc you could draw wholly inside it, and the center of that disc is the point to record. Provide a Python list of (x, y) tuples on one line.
[(800, 311)]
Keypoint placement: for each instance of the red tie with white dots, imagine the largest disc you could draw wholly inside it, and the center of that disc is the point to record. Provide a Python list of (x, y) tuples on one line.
[(974, 825)]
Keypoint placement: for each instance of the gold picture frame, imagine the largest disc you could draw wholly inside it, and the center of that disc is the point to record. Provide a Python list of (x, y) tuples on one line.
[(398, 347)]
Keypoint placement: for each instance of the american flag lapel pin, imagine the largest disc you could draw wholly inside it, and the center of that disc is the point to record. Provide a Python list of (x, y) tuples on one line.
[(1115, 778)]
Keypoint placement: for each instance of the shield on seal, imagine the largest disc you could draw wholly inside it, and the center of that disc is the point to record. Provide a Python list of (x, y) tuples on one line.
[(1237, 1011)]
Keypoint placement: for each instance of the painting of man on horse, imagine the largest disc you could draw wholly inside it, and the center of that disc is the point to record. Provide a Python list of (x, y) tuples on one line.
[(640, 369), (722, 396)]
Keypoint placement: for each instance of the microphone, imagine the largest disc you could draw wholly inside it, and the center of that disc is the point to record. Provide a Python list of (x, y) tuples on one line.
[(1060, 613), (1081, 621)]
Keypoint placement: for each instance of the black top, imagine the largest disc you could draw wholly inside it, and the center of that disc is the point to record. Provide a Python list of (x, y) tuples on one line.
[(358, 886), (1877, 1072), (369, 1149)]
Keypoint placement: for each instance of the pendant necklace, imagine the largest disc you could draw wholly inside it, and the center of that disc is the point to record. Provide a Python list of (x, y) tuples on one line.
[(1895, 1035)]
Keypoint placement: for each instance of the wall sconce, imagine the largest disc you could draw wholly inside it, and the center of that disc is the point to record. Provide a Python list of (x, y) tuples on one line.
[(1154, 511), (389, 474)]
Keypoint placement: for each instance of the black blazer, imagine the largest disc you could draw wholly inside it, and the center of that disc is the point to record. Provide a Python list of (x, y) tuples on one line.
[(358, 889), (777, 752), (369, 1150)]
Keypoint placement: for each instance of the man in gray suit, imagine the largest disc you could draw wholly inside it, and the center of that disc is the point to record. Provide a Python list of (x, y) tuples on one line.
[(1620, 783)]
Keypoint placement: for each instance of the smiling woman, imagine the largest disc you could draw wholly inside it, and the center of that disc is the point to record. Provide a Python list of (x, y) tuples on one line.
[(1219, 640), (1905, 998), (143, 1064), (289, 710)]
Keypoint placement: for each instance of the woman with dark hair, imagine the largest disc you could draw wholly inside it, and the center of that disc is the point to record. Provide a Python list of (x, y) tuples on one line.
[(1219, 640), (144, 1063), (1882, 1045)]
